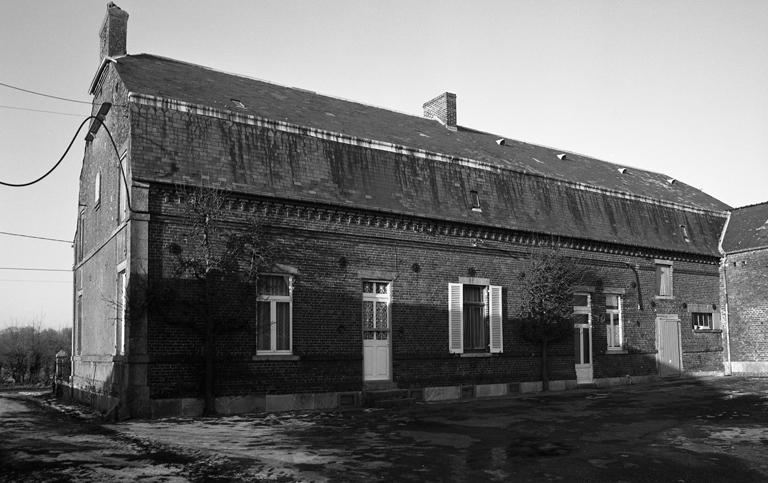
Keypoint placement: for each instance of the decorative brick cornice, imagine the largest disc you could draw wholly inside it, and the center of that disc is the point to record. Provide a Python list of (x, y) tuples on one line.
[(477, 234)]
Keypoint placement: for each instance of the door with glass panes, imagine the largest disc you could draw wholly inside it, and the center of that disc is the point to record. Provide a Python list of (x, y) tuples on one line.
[(582, 335), (376, 331)]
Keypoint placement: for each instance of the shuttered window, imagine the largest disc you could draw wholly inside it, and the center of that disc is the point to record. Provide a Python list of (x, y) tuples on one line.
[(474, 318)]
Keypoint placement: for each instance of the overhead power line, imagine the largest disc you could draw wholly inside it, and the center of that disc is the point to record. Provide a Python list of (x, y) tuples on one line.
[(44, 95), (40, 110), (26, 269), (114, 146), (35, 237), (29, 183)]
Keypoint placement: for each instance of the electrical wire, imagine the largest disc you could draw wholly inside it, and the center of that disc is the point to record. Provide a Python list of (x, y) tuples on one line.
[(30, 183), (114, 146), (42, 94), (40, 110), (35, 237)]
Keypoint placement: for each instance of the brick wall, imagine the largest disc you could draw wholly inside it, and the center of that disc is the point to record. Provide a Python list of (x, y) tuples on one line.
[(328, 296), (747, 282)]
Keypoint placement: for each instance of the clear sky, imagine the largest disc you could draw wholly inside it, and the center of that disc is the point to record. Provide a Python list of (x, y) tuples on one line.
[(679, 87)]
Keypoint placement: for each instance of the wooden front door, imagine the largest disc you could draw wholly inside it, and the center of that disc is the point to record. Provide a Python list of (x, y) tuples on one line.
[(376, 331), (668, 357)]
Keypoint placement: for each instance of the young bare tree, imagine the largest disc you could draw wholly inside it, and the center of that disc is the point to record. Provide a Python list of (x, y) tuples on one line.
[(546, 310), (224, 259)]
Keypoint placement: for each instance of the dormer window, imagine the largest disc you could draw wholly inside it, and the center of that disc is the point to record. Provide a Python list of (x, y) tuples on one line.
[(684, 231), (238, 103), (474, 199)]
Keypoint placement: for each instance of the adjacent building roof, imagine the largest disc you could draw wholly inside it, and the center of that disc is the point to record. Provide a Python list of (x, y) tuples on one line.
[(172, 79), (747, 228)]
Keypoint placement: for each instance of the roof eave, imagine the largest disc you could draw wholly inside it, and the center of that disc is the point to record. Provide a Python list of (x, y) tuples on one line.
[(95, 81)]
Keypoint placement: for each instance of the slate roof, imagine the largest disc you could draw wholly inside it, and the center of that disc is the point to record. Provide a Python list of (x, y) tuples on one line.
[(168, 78), (518, 194), (747, 228)]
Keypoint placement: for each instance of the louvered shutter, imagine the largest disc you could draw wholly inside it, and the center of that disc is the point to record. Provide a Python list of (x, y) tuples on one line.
[(455, 318), (494, 301), (716, 319)]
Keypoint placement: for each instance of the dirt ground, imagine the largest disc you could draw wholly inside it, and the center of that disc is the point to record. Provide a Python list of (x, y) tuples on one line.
[(685, 430)]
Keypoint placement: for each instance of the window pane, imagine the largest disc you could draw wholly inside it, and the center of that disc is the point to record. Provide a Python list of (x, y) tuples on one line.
[(473, 293), (587, 350), (611, 301), (381, 288), (475, 333), (581, 319), (263, 320), (283, 329), (273, 285), (580, 300), (367, 314), (367, 287), (665, 280), (381, 315)]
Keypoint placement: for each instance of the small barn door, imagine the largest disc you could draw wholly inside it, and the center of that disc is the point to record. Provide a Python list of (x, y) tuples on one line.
[(376, 331), (668, 357)]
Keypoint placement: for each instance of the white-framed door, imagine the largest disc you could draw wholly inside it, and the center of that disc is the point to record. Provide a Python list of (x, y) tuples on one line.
[(582, 337), (377, 331)]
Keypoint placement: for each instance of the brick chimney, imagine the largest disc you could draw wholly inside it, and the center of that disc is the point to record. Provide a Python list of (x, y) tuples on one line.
[(442, 108), (113, 32)]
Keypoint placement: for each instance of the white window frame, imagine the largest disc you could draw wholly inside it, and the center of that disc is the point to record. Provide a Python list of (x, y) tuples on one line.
[(122, 191), (661, 265), (695, 326), (97, 190), (377, 297), (493, 310), (120, 309), (615, 320), (273, 300), (702, 308)]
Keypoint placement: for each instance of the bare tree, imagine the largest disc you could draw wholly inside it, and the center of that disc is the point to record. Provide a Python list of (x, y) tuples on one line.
[(546, 311), (224, 259)]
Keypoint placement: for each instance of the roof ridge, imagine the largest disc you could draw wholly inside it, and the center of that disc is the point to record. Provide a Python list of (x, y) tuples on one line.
[(302, 89), (750, 206)]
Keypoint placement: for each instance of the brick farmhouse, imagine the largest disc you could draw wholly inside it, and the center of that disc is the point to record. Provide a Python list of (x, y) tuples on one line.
[(398, 245)]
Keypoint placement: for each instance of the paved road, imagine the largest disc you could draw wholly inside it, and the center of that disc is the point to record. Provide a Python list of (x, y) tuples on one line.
[(681, 431)]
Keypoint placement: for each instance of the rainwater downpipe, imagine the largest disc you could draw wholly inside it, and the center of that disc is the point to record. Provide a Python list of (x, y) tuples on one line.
[(634, 268), (726, 313)]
